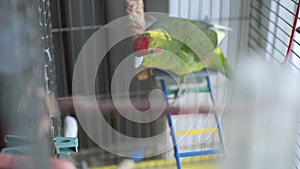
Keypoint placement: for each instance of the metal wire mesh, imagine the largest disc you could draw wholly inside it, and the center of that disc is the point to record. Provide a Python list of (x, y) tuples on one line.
[(268, 24), (270, 29), (22, 76), (47, 46)]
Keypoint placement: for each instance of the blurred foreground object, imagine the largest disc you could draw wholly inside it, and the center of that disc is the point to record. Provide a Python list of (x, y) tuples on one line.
[(263, 123), (13, 162)]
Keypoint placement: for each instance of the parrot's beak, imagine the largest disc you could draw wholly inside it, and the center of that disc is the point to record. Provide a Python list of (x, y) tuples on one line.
[(138, 60)]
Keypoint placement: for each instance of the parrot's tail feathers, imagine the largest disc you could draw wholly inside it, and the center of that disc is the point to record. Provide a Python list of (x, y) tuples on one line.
[(221, 27), (229, 73), (226, 68), (221, 35)]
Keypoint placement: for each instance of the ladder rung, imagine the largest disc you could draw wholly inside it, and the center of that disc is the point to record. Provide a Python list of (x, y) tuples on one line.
[(197, 131), (190, 90), (199, 153)]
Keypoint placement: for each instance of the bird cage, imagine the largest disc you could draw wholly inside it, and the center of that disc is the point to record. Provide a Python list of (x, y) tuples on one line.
[(65, 26)]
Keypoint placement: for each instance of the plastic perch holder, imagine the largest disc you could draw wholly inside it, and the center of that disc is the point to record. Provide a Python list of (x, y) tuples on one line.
[(66, 144)]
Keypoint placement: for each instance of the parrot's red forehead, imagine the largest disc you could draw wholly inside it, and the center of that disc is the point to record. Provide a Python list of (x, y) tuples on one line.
[(141, 43)]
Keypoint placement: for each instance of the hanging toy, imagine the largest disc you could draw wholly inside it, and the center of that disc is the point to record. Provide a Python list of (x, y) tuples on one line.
[(135, 9)]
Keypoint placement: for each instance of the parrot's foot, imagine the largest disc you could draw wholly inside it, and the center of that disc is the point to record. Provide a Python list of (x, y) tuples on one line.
[(126, 164), (179, 93), (144, 74), (151, 72)]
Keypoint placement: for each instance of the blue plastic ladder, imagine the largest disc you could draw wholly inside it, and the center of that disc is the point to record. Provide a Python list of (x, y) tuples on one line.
[(179, 155)]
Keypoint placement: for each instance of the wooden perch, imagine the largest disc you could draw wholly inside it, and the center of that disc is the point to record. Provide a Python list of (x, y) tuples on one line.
[(107, 106)]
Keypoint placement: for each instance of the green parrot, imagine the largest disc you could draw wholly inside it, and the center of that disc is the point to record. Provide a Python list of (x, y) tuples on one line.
[(182, 46)]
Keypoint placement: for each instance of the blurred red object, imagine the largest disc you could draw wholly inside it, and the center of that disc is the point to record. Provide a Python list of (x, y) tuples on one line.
[(14, 162)]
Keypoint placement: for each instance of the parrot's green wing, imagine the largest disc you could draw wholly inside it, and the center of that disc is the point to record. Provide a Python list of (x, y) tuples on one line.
[(186, 32), (163, 60), (215, 33), (210, 34), (190, 63)]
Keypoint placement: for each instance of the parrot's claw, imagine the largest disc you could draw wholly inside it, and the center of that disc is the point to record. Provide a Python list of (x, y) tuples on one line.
[(143, 75), (179, 93), (151, 72)]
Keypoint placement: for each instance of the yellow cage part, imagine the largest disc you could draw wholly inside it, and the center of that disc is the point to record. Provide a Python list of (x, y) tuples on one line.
[(198, 162), (197, 131)]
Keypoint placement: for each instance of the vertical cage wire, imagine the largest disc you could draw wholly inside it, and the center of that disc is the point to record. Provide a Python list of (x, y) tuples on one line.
[(49, 68), (73, 23), (47, 46)]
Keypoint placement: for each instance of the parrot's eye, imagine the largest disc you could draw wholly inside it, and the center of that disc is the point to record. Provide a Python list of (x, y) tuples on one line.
[(152, 51)]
